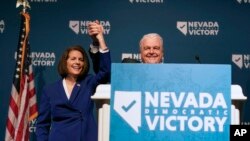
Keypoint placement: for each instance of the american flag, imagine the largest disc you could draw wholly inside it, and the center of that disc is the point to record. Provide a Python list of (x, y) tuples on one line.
[(23, 105)]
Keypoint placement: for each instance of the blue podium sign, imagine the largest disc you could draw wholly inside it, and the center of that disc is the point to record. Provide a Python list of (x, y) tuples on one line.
[(170, 102)]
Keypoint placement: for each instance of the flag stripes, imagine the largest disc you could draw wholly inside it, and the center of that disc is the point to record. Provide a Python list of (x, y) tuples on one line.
[(23, 105)]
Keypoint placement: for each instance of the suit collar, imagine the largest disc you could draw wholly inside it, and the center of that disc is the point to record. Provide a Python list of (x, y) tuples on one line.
[(75, 92)]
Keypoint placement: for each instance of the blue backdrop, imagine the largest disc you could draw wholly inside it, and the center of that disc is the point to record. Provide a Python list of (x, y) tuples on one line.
[(207, 31)]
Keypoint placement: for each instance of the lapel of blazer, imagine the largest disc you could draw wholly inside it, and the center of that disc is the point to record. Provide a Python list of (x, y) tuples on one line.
[(62, 91), (75, 92)]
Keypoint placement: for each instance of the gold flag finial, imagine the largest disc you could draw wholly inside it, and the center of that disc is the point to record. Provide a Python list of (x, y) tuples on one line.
[(24, 3)]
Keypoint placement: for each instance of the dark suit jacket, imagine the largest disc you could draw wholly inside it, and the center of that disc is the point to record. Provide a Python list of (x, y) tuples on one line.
[(63, 119), (95, 57)]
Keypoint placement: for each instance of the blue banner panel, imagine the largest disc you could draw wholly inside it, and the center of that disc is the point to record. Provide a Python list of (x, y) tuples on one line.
[(173, 102)]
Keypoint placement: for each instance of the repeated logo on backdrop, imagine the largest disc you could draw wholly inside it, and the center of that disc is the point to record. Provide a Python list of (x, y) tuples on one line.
[(1, 26), (198, 28), (241, 60), (136, 56), (32, 126), (43, 58), (243, 1), (44, 1), (146, 1), (80, 27)]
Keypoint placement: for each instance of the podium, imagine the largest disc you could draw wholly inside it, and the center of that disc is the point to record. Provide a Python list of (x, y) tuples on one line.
[(102, 98), (237, 98)]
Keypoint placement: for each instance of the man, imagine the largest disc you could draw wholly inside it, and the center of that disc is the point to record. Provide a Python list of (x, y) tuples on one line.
[(151, 50)]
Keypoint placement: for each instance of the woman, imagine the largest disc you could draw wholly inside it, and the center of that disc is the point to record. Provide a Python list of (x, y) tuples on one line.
[(66, 109)]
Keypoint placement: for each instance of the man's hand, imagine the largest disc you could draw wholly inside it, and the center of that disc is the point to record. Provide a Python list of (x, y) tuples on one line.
[(95, 31)]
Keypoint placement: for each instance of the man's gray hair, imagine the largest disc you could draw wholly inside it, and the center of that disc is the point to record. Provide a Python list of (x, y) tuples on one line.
[(151, 35)]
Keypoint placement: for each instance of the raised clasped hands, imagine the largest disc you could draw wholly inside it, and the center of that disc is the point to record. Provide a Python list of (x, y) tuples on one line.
[(95, 31)]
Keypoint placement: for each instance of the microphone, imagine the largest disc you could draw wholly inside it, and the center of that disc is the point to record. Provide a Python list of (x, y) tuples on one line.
[(197, 58)]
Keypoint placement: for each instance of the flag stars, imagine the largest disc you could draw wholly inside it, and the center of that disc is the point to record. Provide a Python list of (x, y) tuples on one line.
[(17, 76)]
